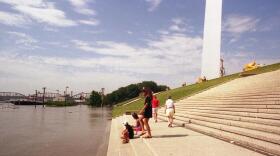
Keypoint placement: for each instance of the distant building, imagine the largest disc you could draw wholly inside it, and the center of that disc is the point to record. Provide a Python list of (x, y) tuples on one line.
[(59, 98)]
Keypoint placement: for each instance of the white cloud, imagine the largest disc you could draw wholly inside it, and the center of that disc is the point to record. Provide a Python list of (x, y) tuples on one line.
[(160, 56), (105, 48), (34, 3), (21, 75), (179, 25), (56, 44), (177, 28), (49, 15), (153, 4), (167, 60), (24, 40), (78, 3), (94, 31), (238, 24), (81, 6), (41, 11), (51, 29), (178, 21), (163, 32), (86, 11), (13, 19), (92, 22)]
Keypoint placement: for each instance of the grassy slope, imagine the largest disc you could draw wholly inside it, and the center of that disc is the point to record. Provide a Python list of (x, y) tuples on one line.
[(182, 92)]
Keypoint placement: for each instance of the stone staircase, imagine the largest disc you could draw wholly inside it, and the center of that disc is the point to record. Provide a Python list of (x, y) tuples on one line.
[(245, 111)]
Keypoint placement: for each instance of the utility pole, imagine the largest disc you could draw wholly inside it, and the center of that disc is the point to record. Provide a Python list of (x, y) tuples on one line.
[(102, 96), (65, 95), (36, 94), (44, 91)]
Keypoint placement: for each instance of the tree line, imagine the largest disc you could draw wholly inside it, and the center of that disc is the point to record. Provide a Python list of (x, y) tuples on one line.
[(124, 93)]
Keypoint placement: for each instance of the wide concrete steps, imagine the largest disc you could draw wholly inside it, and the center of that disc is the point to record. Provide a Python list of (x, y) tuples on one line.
[(257, 98), (253, 106), (250, 110), (234, 127), (213, 92), (245, 111), (259, 118), (238, 96), (247, 138), (190, 116), (232, 102)]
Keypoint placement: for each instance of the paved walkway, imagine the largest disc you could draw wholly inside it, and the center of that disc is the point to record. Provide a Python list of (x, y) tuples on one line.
[(166, 141)]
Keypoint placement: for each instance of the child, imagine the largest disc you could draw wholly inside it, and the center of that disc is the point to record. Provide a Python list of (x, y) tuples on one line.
[(127, 133), (137, 126)]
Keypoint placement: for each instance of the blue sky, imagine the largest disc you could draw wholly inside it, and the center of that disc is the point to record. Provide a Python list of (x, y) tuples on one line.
[(90, 44)]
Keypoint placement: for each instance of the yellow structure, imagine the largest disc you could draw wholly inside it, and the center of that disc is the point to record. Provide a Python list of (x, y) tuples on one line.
[(250, 66)]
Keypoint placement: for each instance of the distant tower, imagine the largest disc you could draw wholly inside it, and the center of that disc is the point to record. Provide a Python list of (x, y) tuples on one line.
[(212, 39)]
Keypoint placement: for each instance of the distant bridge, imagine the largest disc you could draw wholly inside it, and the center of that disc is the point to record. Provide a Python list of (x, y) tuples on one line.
[(5, 96)]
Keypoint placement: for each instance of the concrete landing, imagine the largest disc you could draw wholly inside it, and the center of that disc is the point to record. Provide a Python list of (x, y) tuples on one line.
[(166, 141)]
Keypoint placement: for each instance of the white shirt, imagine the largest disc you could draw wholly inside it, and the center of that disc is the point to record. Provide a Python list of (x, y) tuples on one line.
[(169, 103)]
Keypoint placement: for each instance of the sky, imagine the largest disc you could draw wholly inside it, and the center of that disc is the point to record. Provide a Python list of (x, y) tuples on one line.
[(93, 44)]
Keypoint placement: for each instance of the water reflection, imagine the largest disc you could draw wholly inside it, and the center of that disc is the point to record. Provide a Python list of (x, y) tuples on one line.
[(78, 130)]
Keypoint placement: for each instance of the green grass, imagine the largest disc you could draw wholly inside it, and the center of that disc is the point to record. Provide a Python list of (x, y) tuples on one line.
[(182, 92)]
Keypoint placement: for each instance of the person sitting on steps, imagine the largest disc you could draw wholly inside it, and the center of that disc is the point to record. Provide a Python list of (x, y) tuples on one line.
[(127, 133), (137, 126)]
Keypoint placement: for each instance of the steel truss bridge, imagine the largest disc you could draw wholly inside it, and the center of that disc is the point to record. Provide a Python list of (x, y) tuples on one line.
[(6, 96)]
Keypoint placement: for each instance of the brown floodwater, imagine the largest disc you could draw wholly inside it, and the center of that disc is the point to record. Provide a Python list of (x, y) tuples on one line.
[(53, 131)]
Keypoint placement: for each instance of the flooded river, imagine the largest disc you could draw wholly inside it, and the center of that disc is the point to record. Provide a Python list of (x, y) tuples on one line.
[(53, 131)]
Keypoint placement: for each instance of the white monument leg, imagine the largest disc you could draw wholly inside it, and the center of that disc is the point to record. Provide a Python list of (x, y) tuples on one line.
[(212, 39)]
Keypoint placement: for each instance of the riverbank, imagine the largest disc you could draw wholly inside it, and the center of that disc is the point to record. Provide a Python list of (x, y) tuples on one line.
[(170, 141), (61, 103)]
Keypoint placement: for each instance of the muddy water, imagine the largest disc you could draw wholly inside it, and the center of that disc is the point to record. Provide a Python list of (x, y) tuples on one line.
[(52, 131)]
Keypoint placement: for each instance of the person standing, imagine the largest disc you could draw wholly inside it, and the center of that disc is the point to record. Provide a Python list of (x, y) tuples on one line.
[(155, 105), (147, 112), (169, 110)]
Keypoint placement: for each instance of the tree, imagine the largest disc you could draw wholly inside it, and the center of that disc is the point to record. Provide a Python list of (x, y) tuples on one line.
[(162, 88), (131, 91), (149, 84), (95, 99)]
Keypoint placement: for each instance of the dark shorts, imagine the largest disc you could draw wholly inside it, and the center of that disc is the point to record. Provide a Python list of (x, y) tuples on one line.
[(148, 113)]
